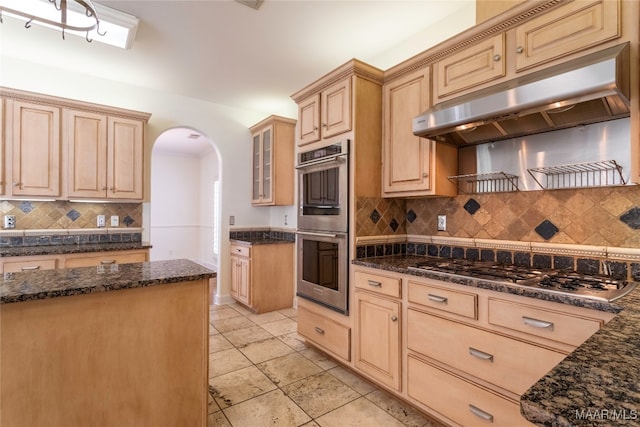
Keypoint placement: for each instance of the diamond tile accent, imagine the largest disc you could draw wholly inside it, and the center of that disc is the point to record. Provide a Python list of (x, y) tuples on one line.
[(471, 206), (411, 216), (73, 214), (632, 218), (546, 229), (375, 216), (128, 220), (26, 207), (394, 224)]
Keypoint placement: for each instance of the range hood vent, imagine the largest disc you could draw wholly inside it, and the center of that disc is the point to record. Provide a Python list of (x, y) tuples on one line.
[(591, 89)]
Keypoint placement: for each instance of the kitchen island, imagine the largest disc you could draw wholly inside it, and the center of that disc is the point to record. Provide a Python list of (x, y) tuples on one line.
[(121, 344), (596, 384)]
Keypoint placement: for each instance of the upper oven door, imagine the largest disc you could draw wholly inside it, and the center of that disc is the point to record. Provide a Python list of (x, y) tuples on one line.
[(323, 194)]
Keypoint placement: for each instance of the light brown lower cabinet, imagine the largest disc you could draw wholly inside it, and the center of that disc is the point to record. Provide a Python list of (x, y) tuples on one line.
[(104, 259), (323, 332), (262, 275), (464, 355)]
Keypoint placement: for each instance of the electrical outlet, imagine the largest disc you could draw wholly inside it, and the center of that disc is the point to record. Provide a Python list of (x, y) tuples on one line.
[(101, 221), (442, 223), (9, 221), (115, 220), (232, 220)]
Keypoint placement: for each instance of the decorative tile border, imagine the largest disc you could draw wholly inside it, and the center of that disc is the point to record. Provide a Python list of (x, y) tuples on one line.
[(16, 238), (261, 233), (620, 263)]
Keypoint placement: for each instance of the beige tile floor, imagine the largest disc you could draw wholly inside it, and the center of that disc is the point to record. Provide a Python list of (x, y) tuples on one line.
[(262, 374)]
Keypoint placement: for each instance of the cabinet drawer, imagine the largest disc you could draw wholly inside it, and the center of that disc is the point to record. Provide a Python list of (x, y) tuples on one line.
[(542, 323), (35, 264), (104, 259), (459, 400), (508, 363), (440, 298), (324, 332), (240, 250), (383, 285)]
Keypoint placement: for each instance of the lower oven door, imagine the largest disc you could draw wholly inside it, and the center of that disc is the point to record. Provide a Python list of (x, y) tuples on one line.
[(323, 269)]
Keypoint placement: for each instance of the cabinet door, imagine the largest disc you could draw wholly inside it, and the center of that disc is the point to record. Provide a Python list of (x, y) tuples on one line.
[(125, 149), (565, 30), (309, 120), (470, 67), (35, 150), (406, 157), (86, 135), (244, 281), (335, 104), (235, 278), (377, 338), (255, 162), (266, 163)]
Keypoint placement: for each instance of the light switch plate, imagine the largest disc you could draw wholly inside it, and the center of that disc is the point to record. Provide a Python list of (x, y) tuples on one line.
[(115, 220), (101, 221), (442, 223)]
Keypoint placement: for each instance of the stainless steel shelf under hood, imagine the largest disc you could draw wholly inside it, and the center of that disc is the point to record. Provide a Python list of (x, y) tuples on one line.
[(590, 89)]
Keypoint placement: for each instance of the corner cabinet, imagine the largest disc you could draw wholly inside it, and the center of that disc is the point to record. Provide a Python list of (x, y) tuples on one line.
[(60, 148), (412, 166), (273, 161), (105, 156), (262, 275)]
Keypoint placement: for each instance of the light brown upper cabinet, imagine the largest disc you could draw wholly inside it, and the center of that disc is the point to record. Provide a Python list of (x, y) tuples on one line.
[(105, 156), (480, 63), (273, 161), (2, 147), (575, 26), (33, 138), (409, 166), (325, 114)]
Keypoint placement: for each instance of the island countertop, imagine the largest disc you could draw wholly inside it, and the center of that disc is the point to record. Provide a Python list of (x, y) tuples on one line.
[(597, 384), (37, 285)]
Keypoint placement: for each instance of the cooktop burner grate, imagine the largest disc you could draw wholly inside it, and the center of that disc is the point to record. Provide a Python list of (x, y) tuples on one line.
[(595, 286)]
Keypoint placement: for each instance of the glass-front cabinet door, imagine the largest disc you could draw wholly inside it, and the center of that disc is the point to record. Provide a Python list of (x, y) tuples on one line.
[(257, 182), (262, 166), (266, 162)]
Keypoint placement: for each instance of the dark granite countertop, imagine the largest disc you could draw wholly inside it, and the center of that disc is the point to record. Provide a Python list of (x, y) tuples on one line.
[(70, 249), (260, 241), (34, 285), (597, 384)]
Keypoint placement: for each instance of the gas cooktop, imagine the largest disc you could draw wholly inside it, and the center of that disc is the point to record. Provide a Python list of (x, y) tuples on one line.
[(594, 286)]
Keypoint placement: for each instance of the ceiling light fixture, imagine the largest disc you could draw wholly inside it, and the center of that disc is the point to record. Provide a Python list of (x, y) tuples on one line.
[(77, 17), (254, 4)]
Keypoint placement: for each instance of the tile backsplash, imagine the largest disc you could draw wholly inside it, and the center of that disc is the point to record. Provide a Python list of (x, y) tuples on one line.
[(61, 215), (603, 216)]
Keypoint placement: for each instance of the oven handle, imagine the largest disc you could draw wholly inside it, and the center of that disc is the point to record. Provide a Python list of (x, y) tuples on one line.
[(335, 159), (312, 233)]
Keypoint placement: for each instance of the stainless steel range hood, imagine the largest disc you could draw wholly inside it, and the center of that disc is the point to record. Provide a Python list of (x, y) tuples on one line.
[(591, 89)]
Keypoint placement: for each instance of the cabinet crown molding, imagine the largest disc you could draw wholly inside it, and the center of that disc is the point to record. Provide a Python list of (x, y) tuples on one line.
[(272, 119), (39, 98), (354, 67)]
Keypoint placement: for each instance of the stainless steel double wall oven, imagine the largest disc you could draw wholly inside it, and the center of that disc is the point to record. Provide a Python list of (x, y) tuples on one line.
[(323, 225)]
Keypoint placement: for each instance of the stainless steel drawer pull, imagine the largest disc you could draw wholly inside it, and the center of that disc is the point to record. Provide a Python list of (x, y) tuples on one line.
[(480, 354), (374, 283), (480, 413), (31, 267), (108, 261), (530, 321), (319, 330), (437, 298)]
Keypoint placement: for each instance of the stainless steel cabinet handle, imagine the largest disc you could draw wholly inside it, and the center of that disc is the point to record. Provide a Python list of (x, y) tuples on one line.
[(319, 330), (107, 261), (16, 184), (530, 321), (519, 49), (496, 57), (437, 298), (480, 354), (374, 283), (31, 267), (394, 318), (480, 413)]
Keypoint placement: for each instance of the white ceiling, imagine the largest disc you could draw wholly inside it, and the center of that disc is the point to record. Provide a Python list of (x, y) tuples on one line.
[(225, 52)]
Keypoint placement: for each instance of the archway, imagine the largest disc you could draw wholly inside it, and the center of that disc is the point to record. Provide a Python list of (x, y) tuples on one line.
[(185, 197)]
